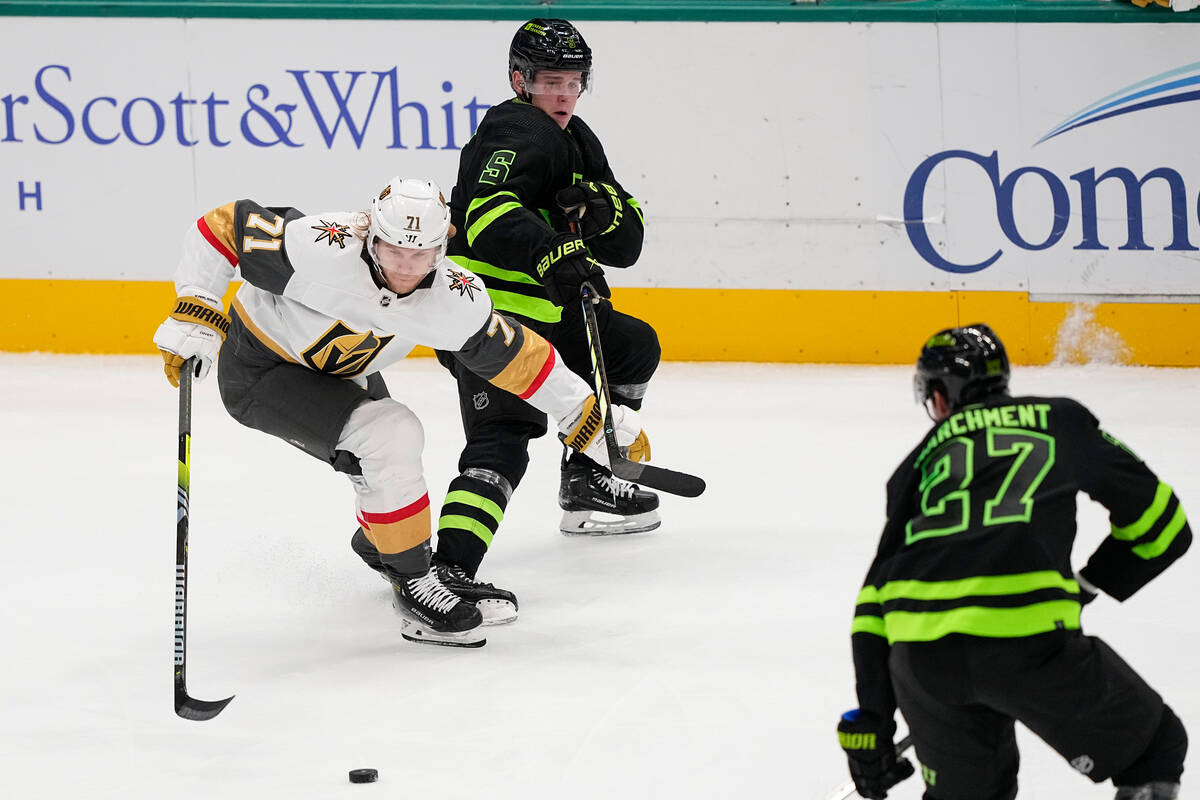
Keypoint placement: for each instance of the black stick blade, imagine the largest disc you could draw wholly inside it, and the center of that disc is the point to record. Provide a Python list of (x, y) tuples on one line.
[(665, 480), (199, 710)]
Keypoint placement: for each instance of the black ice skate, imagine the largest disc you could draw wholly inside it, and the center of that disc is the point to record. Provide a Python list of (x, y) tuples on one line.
[(432, 614), (498, 606), (587, 489)]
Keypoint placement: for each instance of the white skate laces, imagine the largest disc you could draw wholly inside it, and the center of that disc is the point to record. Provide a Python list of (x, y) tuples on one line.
[(429, 591), (616, 486)]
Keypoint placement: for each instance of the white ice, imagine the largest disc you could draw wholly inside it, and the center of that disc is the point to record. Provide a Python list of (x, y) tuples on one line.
[(709, 659)]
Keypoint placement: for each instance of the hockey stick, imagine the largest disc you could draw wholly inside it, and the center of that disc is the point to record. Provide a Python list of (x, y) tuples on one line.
[(666, 480), (847, 789), (185, 706)]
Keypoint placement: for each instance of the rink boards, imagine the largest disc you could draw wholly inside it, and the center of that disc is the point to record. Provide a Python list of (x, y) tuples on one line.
[(823, 191)]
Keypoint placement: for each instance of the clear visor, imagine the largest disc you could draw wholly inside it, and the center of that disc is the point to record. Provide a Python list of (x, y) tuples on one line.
[(405, 261), (920, 389), (559, 82)]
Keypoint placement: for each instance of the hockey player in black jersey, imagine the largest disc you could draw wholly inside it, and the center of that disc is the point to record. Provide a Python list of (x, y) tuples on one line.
[(969, 618), (540, 211)]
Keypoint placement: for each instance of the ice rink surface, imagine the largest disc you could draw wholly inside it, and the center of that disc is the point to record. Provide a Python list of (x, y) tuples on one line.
[(709, 659)]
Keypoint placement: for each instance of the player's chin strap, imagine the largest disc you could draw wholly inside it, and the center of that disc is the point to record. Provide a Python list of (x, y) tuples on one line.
[(523, 94), (368, 255)]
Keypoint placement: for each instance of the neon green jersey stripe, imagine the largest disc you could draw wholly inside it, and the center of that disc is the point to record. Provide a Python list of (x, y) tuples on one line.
[(476, 501), (1154, 549), (532, 307), (478, 201), (1147, 520), (1000, 623), (478, 226), (488, 271), (467, 524), (866, 624), (990, 585)]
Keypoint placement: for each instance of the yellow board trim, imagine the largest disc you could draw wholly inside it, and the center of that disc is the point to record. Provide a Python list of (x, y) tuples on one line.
[(693, 324)]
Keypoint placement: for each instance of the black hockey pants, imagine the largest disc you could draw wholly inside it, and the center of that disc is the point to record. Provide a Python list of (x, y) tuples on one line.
[(306, 409), (961, 696), (499, 425)]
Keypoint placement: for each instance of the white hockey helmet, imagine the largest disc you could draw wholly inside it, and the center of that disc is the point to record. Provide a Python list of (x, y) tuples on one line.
[(410, 213)]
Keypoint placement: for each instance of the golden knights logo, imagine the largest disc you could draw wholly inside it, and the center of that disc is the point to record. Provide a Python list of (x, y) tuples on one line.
[(464, 284), (332, 233), (343, 352)]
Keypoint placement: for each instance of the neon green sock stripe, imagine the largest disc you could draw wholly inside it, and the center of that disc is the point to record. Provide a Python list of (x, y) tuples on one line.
[(457, 522), (476, 501), (1002, 623), (1148, 518), (1149, 550), (866, 624), (868, 594)]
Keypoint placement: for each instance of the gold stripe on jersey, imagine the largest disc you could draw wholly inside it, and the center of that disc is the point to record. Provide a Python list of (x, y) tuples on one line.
[(257, 332), (526, 366), (220, 222)]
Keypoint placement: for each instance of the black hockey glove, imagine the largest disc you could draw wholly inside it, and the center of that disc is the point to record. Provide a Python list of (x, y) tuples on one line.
[(566, 266), (874, 765), (593, 209)]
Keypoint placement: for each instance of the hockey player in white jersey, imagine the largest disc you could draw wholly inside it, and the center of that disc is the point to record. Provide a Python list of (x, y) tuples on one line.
[(327, 302)]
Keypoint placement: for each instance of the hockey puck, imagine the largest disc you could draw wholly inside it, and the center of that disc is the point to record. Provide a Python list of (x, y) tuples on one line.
[(364, 775)]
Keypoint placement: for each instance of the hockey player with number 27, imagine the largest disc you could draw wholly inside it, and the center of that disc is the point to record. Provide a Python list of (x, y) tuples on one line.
[(969, 618), (327, 302)]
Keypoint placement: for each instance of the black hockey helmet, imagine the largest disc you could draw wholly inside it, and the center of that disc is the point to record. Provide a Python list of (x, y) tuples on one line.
[(966, 364), (549, 44)]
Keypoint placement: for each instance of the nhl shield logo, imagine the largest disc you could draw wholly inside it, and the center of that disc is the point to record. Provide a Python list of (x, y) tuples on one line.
[(481, 401), (1083, 763)]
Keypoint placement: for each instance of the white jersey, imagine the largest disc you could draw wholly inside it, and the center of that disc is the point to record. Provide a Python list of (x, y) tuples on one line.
[(309, 297)]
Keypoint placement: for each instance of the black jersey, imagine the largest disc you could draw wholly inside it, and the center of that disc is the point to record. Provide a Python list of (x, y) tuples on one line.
[(503, 203), (980, 525)]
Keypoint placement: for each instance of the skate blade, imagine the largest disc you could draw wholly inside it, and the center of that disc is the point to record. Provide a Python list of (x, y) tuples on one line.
[(582, 523), (497, 612), (416, 632)]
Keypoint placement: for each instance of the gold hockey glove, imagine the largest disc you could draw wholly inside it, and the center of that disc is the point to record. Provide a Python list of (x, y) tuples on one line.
[(195, 328)]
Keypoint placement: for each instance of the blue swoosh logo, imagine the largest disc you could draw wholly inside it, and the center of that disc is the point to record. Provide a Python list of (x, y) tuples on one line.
[(1160, 90)]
